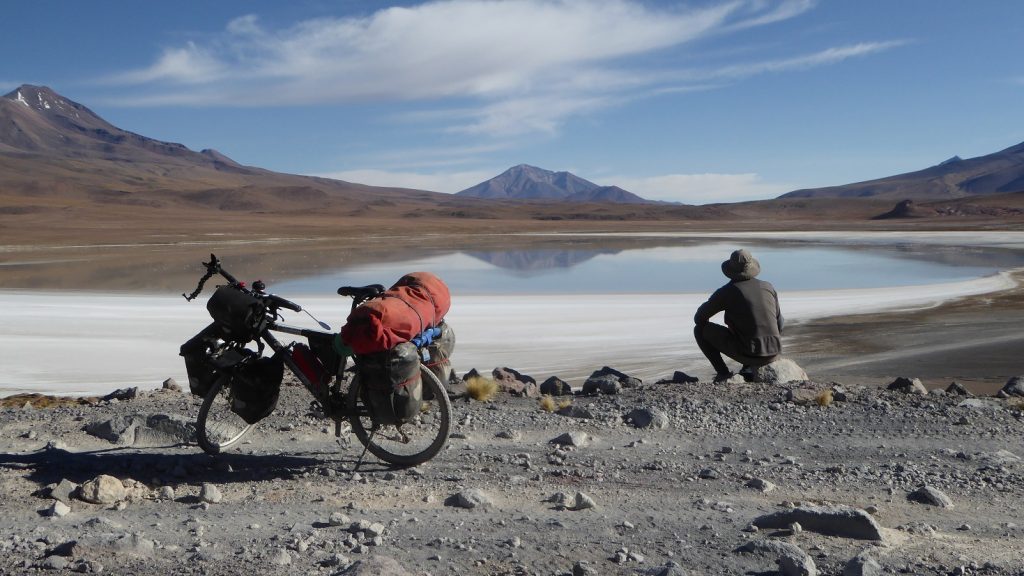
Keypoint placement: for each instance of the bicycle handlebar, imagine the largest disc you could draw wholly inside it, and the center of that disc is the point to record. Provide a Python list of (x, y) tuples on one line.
[(213, 267)]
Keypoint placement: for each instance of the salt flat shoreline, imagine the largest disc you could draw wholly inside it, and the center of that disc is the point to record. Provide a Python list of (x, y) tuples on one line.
[(108, 341)]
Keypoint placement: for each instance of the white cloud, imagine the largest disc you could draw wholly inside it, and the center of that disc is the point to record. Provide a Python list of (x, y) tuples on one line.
[(513, 66), (450, 182), (701, 188)]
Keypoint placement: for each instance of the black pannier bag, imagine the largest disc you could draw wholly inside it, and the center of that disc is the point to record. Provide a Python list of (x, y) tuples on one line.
[(256, 387), (440, 351), (239, 314), (392, 386), (201, 373)]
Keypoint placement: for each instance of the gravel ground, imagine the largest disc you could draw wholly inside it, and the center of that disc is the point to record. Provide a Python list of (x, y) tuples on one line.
[(717, 469)]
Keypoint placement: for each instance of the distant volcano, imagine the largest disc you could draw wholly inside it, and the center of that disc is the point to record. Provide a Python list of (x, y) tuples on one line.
[(524, 182)]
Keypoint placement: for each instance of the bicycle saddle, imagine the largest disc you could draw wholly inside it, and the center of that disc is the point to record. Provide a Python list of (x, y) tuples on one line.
[(361, 292)]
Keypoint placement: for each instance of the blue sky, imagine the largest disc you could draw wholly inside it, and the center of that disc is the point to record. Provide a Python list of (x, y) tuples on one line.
[(688, 101)]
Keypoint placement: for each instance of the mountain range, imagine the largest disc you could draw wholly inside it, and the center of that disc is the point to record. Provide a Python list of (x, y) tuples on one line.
[(997, 173), (525, 182), (68, 174)]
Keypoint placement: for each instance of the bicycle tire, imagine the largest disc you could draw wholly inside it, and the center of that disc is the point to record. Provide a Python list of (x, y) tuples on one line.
[(217, 427), (430, 429)]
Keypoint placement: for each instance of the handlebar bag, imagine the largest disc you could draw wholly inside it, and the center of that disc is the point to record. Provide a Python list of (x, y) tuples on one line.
[(418, 301), (240, 314)]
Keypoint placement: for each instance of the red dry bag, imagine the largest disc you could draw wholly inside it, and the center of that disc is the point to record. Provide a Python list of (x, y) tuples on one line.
[(418, 301)]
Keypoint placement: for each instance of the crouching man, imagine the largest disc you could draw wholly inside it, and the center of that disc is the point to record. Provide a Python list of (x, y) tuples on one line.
[(752, 334)]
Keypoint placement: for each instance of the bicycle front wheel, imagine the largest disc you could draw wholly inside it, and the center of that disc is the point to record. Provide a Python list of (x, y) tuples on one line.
[(217, 427), (412, 442)]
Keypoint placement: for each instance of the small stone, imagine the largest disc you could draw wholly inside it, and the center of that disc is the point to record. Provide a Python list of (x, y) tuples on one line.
[(583, 502), (58, 509), (795, 528), (338, 519), (1014, 386), (760, 485), (172, 385), (281, 558), (555, 386), (166, 493), (469, 499), (575, 438), (862, 565), (646, 418), (708, 474), (210, 493)]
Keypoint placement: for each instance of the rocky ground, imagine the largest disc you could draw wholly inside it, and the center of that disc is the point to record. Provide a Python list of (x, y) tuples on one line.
[(640, 478)]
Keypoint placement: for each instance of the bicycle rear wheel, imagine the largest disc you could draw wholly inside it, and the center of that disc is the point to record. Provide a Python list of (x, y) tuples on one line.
[(413, 442), (217, 427)]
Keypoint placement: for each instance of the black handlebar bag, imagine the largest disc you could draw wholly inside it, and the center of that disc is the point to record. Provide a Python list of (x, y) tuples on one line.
[(241, 315)]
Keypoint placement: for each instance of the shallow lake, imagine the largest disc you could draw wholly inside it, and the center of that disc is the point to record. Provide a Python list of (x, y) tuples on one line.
[(545, 305)]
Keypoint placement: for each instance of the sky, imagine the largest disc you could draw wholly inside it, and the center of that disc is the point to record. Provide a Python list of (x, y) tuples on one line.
[(694, 102)]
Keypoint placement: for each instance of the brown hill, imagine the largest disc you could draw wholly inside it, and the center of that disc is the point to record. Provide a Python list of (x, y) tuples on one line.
[(998, 173)]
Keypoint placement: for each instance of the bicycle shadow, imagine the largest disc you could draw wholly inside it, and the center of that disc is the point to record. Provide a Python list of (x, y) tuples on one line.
[(155, 465)]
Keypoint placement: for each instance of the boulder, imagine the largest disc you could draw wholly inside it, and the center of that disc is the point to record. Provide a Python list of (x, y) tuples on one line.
[(957, 389), (102, 489), (605, 384), (1014, 386), (555, 386), (646, 418), (930, 495), (625, 380), (781, 371), (907, 386), (842, 521), (119, 429), (679, 377), (516, 384)]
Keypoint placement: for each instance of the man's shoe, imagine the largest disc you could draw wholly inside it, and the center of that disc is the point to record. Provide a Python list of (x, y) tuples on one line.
[(722, 377), (748, 373)]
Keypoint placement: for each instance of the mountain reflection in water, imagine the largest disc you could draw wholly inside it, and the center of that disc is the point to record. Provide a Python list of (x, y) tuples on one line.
[(537, 260)]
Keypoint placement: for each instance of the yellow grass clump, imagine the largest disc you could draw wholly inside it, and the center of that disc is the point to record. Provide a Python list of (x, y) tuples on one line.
[(824, 398), (550, 404), (481, 389)]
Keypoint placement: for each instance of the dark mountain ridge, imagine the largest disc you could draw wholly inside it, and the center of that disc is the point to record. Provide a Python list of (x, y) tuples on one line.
[(998, 173)]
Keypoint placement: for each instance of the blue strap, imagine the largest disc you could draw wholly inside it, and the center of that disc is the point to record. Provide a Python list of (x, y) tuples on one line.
[(426, 338)]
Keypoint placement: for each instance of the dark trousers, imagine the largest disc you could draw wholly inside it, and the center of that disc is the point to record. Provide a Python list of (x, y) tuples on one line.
[(715, 340)]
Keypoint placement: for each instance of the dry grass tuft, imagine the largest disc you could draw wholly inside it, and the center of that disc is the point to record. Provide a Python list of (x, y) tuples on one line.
[(547, 403), (481, 389), (550, 404), (824, 398), (44, 401)]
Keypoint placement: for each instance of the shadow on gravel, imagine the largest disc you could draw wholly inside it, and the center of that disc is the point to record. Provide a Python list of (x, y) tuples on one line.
[(48, 466)]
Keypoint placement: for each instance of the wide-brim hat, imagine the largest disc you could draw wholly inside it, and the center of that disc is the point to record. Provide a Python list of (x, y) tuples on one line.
[(741, 265)]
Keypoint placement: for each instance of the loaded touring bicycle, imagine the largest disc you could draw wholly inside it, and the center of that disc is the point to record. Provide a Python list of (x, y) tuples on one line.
[(392, 396)]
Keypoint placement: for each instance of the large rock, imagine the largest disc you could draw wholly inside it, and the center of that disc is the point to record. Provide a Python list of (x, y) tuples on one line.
[(516, 384), (781, 371), (102, 489), (1014, 386), (646, 418), (907, 386), (842, 521), (555, 386), (119, 429), (624, 379), (931, 495), (605, 384), (469, 499), (576, 439)]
